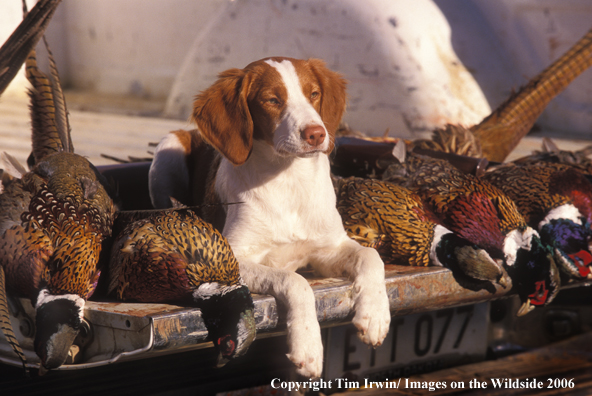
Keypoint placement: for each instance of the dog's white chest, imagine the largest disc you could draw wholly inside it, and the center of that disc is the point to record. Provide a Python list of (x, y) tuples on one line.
[(287, 207)]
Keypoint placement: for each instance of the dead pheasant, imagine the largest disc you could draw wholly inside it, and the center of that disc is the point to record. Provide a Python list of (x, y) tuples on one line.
[(12, 55), (394, 220), (498, 134), (174, 256), (481, 213), (52, 224), (556, 200)]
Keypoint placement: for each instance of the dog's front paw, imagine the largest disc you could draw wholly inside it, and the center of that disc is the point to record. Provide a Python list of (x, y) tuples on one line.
[(306, 349), (373, 316)]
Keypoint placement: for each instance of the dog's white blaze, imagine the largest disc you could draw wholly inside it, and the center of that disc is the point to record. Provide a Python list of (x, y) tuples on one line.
[(298, 114)]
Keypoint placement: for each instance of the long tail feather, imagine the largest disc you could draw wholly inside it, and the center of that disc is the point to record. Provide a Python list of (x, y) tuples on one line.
[(45, 136), (25, 37), (5, 324), (501, 131), (61, 111), (49, 119)]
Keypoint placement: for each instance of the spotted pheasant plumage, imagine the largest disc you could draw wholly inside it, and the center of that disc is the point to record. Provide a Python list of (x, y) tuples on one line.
[(52, 235), (449, 192), (394, 220), (174, 256), (556, 200), (53, 222), (530, 188), (481, 213), (387, 217), (176, 248)]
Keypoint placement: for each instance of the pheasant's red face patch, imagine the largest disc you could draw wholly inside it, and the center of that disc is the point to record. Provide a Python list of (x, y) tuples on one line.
[(540, 295), (226, 345), (582, 260)]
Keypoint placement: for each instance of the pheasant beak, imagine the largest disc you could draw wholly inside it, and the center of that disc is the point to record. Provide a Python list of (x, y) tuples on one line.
[(502, 282), (539, 297), (226, 346), (525, 308), (53, 352)]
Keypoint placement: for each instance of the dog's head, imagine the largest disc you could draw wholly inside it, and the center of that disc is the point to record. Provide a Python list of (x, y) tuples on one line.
[(294, 105)]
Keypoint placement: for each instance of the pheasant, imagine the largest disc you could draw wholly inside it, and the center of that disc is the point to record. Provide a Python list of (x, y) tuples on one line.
[(481, 213), (174, 256), (52, 224), (393, 220), (498, 134), (556, 200)]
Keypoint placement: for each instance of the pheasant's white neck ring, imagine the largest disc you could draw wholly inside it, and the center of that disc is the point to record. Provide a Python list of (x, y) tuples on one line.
[(45, 296), (439, 232), (515, 240), (209, 289), (566, 211)]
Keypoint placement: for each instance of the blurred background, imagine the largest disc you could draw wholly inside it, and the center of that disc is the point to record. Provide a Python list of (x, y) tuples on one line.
[(411, 66)]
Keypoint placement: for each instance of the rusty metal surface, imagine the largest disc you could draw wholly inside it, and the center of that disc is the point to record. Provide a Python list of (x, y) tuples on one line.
[(414, 290), (126, 331)]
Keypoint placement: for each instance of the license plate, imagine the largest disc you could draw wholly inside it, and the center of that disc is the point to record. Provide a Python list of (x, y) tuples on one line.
[(415, 344)]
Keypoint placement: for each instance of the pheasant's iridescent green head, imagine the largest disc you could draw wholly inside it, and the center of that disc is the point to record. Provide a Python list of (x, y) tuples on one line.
[(569, 241)]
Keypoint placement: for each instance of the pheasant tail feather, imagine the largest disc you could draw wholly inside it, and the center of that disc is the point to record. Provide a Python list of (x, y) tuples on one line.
[(501, 131), (5, 324), (61, 112), (49, 116)]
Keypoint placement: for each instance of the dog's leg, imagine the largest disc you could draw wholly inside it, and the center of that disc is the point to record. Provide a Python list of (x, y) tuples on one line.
[(365, 269), (304, 332)]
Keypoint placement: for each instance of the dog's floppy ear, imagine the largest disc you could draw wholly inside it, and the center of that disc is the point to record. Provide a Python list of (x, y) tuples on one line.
[(222, 116), (333, 96)]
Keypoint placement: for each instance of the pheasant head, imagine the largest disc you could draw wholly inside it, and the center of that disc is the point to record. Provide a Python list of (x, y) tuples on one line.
[(569, 241), (58, 319), (461, 255), (228, 316), (534, 274)]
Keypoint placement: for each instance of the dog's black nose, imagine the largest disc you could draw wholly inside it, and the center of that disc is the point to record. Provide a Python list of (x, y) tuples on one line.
[(313, 135)]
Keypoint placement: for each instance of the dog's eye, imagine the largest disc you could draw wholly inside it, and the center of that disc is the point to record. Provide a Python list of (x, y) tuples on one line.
[(273, 101), (314, 95)]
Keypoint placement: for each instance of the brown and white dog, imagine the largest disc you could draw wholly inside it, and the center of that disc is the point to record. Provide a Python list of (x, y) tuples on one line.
[(273, 123)]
